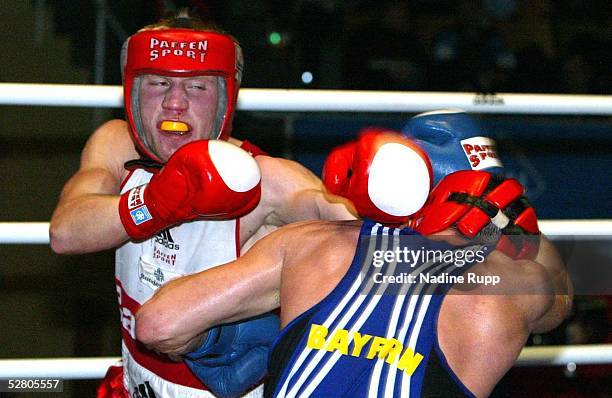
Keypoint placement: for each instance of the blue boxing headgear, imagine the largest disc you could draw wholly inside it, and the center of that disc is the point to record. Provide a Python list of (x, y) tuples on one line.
[(454, 141)]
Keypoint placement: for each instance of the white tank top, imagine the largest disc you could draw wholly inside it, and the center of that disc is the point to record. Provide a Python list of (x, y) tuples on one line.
[(143, 267)]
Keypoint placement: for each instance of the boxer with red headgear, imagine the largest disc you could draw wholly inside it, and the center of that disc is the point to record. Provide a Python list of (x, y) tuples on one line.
[(174, 193), (203, 65)]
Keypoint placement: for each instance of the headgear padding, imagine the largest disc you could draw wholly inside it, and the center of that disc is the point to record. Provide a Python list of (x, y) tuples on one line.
[(181, 53), (454, 141)]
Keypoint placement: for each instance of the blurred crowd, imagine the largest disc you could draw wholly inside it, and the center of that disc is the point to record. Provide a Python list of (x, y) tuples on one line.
[(476, 45), (441, 45)]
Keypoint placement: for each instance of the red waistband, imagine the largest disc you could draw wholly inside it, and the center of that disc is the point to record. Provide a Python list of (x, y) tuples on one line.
[(162, 366)]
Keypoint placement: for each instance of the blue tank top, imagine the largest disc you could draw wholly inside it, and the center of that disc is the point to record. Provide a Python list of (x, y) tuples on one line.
[(375, 334)]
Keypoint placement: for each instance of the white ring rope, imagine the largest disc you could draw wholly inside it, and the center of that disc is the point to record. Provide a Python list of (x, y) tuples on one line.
[(29, 233), (59, 368), (279, 100), (38, 232), (585, 354), (314, 101), (95, 368)]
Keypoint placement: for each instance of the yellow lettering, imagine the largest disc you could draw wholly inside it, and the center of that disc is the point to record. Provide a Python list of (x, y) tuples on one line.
[(376, 346), (391, 350), (316, 337), (385, 349), (409, 361), (338, 341), (358, 342)]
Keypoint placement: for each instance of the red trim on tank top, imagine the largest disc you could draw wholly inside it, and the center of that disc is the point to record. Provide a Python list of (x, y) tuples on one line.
[(162, 366), (125, 180), (253, 149)]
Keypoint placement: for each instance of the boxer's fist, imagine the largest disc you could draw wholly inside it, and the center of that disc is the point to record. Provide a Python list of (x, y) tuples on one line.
[(484, 206), (386, 175), (234, 357), (204, 179)]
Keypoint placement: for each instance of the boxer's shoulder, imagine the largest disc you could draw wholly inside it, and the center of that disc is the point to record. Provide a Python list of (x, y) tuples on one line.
[(109, 147), (473, 328), (115, 129), (285, 174), (320, 237), (322, 227)]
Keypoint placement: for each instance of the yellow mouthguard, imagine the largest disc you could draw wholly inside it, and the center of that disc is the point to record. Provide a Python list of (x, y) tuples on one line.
[(168, 125)]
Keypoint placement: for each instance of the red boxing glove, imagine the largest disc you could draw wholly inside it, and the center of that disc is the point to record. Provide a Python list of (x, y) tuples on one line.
[(112, 384), (480, 203), (210, 179), (385, 174)]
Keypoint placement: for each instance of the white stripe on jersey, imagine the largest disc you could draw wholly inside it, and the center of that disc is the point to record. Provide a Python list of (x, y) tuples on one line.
[(350, 313), (331, 318)]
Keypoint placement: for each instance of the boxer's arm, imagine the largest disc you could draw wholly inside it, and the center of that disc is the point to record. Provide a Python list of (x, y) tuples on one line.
[(291, 193), (560, 304), (544, 292), (497, 320), (172, 321), (540, 288), (86, 218)]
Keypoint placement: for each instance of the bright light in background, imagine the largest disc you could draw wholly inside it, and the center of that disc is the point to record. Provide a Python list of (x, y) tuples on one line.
[(275, 38), (307, 77)]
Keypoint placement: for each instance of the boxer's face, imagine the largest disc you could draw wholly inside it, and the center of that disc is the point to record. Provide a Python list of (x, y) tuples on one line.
[(192, 101)]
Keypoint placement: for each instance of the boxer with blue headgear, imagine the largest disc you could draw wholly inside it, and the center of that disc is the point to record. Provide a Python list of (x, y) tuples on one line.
[(476, 203), (454, 141), (471, 194)]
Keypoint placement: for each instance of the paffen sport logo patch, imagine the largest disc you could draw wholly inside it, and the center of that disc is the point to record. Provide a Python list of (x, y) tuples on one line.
[(480, 152), (190, 49)]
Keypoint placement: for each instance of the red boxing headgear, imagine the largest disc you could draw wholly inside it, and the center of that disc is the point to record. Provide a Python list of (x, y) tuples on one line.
[(181, 53)]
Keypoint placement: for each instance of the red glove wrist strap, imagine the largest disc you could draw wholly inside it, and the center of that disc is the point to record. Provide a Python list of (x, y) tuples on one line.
[(136, 216)]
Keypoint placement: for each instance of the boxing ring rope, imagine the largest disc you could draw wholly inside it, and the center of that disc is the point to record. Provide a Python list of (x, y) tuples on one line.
[(25, 233), (326, 100), (99, 96), (38, 232), (61, 368), (95, 368)]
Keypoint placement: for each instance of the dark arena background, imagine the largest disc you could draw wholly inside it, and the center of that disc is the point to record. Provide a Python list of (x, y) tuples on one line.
[(65, 306)]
